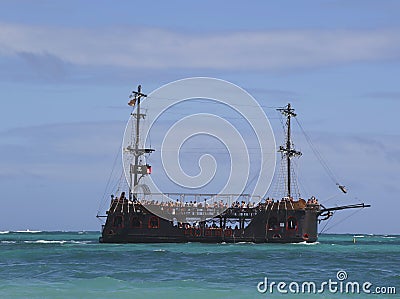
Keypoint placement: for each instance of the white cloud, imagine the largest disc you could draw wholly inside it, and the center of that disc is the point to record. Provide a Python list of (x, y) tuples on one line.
[(69, 151), (160, 49)]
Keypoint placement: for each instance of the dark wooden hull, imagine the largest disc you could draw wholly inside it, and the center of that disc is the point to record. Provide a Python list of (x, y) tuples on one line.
[(265, 223)]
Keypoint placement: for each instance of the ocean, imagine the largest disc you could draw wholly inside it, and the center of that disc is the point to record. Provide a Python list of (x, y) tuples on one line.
[(75, 265)]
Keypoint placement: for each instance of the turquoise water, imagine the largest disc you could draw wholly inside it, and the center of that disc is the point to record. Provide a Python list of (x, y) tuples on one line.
[(75, 265)]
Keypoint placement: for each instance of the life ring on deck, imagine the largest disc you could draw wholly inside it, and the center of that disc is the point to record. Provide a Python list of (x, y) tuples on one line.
[(305, 237)]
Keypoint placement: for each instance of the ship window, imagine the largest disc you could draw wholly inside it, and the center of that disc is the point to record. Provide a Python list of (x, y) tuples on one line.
[(118, 222), (292, 223), (136, 223), (273, 223), (154, 222)]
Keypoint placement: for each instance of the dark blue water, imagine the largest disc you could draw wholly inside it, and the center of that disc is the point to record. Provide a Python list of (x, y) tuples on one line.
[(75, 265)]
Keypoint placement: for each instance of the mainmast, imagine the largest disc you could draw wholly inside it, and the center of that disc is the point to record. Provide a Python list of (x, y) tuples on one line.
[(137, 168), (288, 151)]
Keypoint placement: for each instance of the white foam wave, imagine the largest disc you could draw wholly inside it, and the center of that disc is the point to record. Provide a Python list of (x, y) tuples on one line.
[(8, 242), (306, 243), (56, 242), (29, 231), (46, 242), (80, 242)]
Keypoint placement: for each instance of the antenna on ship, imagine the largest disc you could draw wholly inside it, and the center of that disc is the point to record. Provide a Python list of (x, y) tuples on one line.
[(287, 150), (137, 168)]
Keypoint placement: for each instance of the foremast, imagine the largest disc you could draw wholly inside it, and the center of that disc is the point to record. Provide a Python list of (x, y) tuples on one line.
[(288, 151), (137, 168)]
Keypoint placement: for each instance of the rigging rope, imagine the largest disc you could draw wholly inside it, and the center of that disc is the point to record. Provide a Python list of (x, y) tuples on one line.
[(103, 199), (323, 229), (331, 197), (318, 154), (280, 184), (294, 184), (209, 101), (337, 223), (320, 158)]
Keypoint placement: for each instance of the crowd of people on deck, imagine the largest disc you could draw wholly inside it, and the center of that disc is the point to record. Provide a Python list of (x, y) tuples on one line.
[(215, 204), (185, 204), (312, 201)]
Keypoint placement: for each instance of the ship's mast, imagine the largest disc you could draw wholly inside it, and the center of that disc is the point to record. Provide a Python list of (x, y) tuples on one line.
[(138, 96), (137, 169), (288, 151)]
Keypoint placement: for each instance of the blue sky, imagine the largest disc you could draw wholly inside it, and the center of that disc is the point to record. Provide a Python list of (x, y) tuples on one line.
[(67, 68)]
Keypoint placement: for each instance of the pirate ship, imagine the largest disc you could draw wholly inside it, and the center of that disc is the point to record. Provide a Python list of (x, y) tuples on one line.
[(140, 216)]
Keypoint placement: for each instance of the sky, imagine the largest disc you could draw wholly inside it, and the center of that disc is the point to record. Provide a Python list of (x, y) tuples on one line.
[(68, 67)]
